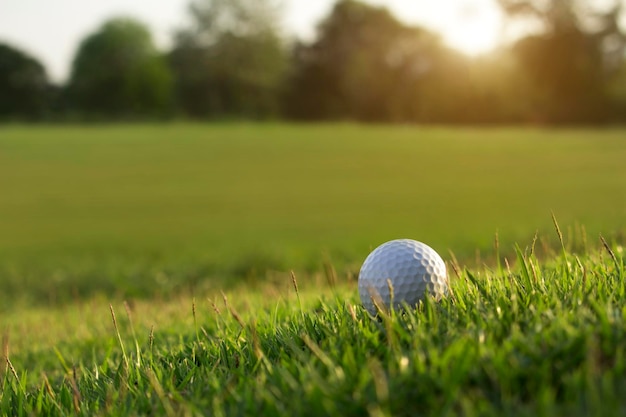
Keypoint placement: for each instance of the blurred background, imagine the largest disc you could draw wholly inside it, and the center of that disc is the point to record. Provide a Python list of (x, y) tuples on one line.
[(148, 147), (453, 61)]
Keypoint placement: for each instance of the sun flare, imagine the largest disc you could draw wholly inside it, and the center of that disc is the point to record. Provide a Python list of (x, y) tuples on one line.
[(474, 29), (470, 26)]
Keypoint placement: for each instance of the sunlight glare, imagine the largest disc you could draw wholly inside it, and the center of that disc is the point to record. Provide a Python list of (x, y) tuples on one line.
[(471, 26), (474, 29)]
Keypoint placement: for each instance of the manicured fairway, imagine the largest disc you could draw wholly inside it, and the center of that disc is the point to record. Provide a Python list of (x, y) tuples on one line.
[(144, 209)]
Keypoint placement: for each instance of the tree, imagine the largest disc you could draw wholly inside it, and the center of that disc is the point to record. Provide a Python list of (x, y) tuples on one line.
[(231, 61), (24, 87), (117, 72), (572, 58), (366, 65)]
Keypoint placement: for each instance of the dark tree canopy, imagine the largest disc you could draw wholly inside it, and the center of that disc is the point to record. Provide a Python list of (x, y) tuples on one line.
[(117, 72), (24, 88), (366, 65), (231, 61), (572, 59)]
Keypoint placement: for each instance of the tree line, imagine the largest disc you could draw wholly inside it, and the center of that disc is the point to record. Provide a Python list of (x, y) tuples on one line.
[(232, 62)]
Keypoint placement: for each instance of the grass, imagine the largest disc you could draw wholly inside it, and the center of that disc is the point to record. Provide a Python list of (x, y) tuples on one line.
[(542, 338), (148, 210), (116, 243)]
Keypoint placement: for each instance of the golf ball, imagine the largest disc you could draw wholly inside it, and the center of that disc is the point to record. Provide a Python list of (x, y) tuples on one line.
[(412, 268)]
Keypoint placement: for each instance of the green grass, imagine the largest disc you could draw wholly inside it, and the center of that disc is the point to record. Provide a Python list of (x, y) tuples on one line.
[(544, 338), (151, 222), (151, 210)]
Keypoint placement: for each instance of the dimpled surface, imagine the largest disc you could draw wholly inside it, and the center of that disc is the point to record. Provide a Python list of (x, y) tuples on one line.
[(413, 268)]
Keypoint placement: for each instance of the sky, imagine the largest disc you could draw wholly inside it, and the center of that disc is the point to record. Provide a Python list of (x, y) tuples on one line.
[(51, 30)]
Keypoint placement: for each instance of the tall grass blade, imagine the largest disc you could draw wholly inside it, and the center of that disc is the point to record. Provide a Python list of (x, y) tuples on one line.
[(562, 242), (619, 266), (524, 270), (294, 282), (132, 330), (119, 336)]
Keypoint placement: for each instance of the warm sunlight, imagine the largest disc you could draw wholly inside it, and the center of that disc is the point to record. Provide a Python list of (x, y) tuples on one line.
[(474, 29), (471, 26)]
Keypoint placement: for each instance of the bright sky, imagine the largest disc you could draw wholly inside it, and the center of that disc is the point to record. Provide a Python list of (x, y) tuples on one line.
[(51, 30)]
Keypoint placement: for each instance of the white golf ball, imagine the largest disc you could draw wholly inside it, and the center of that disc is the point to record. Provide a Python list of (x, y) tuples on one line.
[(412, 268)]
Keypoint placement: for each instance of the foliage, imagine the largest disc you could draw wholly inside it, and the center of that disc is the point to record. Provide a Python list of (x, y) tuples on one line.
[(231, 62), (572, 60), (117, 73), (365, 65), (24, 87)]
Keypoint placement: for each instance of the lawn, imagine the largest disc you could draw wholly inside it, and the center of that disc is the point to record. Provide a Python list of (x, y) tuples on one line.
[(144, 210), (543, 338), (146, 270)]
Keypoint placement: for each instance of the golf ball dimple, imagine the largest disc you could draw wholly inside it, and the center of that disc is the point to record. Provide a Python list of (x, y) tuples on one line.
[(413, 268)]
